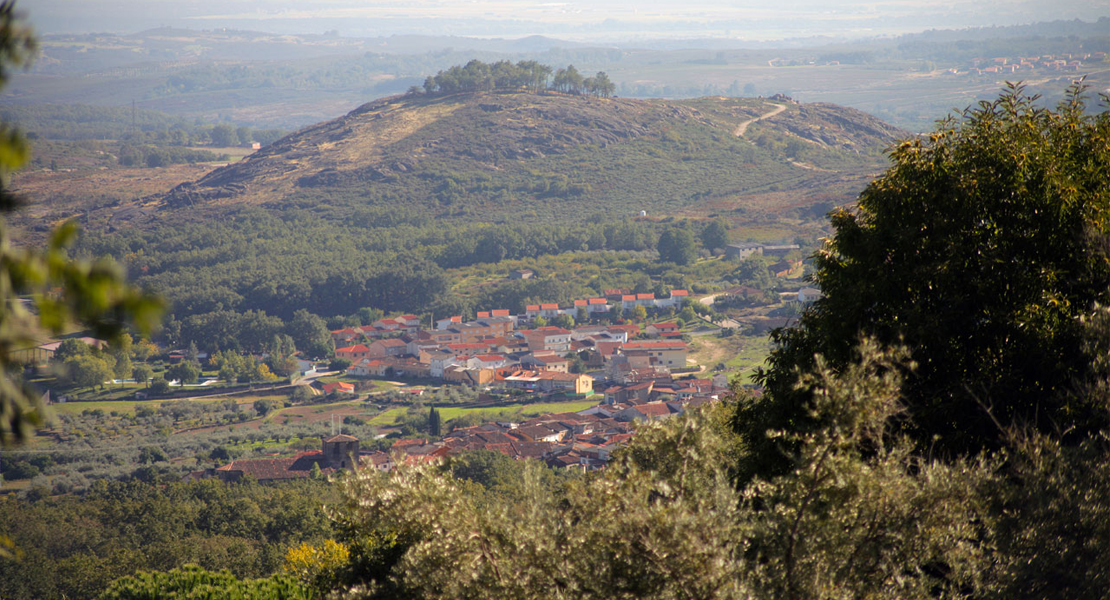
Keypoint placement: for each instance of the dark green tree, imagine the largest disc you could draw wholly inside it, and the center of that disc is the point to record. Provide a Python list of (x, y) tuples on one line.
[(223, 136), (715, 235), (195, 582), (434, 424), (184, 371), (159, 385), (69, 348), (677, 245), (142, 373), (753, 271), (86, 371), (979, 249), (310, 334), (263, 406)]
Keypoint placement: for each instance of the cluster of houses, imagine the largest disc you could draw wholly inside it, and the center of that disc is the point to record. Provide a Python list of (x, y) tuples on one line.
[(506, 350), (1051, 62), (634, 369), (583, 440)]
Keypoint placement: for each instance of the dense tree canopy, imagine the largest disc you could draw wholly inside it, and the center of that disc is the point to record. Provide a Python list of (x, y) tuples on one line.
[(677, 245), (477, 76), (980, 249)]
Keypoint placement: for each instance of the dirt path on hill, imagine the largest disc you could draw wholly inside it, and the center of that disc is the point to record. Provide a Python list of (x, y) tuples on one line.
[(741, 128)]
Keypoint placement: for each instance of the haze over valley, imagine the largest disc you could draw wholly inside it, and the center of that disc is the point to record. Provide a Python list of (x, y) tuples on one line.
[(514, 299)]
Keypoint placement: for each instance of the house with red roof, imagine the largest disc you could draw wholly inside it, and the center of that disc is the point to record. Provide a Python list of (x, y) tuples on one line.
[(410, 321), (597, 305), (391, 347), (467, 349), (347, 334), (338, 386), (368, 367), (651, 410), (676, 299), (448, 322), (555, 339), (658, 329), (487, 361), (624, 332), (337, 452), (387, 324), (352, 353), (670, 353)]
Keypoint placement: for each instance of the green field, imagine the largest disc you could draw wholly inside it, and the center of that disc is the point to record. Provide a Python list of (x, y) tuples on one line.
[(752, 354), (528, 410), (129, 406), (389, 417)]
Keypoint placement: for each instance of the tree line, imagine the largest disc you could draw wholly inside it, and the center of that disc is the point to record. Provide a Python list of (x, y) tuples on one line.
[(477, 76)]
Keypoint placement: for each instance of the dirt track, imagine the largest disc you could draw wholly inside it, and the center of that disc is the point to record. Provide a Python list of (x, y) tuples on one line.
[(741, 128)]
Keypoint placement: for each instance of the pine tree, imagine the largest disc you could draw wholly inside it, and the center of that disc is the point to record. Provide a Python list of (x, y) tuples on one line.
[(434, 425)]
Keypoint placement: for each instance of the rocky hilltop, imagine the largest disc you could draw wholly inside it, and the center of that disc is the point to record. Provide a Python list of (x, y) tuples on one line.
[(546, 155)]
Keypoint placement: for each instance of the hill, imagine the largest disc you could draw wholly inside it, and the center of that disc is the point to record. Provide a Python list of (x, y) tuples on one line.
[(499, 157), (388, 205)]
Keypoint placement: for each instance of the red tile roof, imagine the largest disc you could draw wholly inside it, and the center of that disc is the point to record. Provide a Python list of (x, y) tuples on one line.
[(654, 345), (551, 330), (268, 469), (457, 347), (338, 385), (654, 409)]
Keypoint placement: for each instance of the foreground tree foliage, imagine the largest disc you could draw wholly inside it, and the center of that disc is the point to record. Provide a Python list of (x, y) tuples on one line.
[(980, 250), (60, 291), (194, 582), (858, 515), (74, 546)]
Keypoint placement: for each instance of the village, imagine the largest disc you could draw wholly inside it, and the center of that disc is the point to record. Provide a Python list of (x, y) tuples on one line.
[(1065, 62), (637, 374)]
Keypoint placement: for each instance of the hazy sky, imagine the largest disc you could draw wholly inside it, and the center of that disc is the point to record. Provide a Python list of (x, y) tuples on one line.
[(593, 20)]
